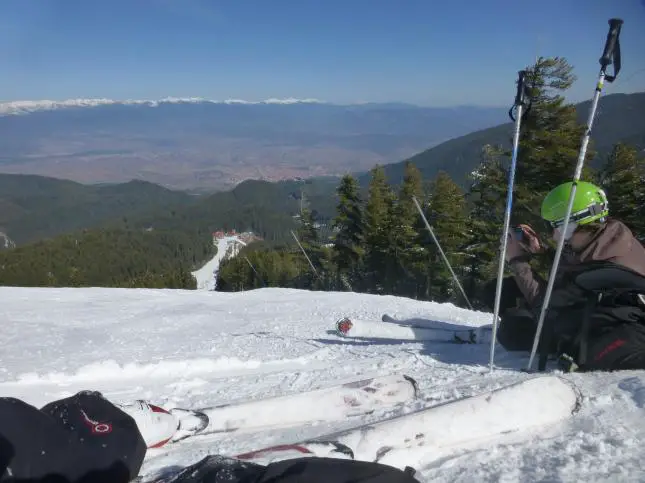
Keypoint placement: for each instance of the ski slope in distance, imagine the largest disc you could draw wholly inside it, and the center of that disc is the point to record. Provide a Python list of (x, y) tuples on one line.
[(206, 276)]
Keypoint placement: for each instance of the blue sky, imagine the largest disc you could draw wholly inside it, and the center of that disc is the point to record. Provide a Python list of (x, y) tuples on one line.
[(429, 52)]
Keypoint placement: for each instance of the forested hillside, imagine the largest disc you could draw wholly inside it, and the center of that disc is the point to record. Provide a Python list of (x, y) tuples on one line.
[(36, 207), (107, 258)]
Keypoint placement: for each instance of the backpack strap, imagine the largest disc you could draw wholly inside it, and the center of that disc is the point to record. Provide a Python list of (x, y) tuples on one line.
[(583, 341)]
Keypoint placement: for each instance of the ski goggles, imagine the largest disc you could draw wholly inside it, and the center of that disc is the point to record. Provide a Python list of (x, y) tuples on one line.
[(593, 210)]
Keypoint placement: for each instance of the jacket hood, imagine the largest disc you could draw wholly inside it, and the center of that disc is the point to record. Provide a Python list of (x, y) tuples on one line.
[(613, 239)]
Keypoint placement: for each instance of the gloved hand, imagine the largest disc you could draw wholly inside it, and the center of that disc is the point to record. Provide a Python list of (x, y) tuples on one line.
[(522, 242)]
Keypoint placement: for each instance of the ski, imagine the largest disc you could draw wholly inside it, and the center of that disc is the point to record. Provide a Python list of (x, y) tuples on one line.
[(412, 330), (333, 403), (410, 439), (426, 323)]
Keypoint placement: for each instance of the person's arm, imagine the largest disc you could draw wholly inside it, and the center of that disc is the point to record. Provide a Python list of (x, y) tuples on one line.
[(530, 283), (521, 246)]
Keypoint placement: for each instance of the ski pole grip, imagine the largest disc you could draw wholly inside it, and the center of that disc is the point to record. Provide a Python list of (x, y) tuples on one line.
[(612, 40), (521, 90)]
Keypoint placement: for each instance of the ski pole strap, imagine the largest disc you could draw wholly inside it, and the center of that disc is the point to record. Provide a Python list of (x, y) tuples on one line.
[(521, 95), (611, 54)]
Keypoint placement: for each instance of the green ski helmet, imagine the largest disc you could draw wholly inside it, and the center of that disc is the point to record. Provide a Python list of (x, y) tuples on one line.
[(590, 204)]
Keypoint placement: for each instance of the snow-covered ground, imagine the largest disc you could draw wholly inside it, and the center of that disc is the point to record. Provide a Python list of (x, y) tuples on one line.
[(202, 348), (227, 247)]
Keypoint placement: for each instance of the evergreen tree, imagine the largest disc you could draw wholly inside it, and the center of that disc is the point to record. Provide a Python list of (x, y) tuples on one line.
[(623, 178), (406, 253), (261, 267), (487, 196), (307, 233), (377, 237), (348, 250), (549, 139), (309, 240), (446, 213)]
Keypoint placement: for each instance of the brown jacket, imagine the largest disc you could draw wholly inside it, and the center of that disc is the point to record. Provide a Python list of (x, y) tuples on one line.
[(612, 242)]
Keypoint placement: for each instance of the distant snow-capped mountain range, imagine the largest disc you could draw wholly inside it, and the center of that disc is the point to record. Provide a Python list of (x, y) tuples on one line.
[(203, 144), (25, 107)]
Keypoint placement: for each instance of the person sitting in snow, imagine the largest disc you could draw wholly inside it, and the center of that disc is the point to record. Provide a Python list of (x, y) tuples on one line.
[(612, 259), (86, 438)]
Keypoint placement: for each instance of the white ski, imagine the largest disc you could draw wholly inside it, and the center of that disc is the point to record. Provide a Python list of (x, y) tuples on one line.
[(332, 403), (532, 403), (413, 330)]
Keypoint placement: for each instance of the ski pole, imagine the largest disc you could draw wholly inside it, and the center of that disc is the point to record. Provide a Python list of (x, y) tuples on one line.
[(445, 259), (610, 55), (305, 254), (255, 271), (519, 104)]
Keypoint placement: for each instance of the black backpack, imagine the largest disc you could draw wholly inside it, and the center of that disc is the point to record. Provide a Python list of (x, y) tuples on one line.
[(594, 296)]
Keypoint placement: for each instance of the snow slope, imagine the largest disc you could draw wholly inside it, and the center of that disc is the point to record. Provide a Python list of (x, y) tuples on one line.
[(201, 348), (207, 275)]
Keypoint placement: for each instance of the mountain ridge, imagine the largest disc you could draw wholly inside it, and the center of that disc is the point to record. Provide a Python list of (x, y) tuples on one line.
[(619, 118)]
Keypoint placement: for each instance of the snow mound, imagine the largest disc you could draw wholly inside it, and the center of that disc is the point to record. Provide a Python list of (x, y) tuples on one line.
[(111, 370)]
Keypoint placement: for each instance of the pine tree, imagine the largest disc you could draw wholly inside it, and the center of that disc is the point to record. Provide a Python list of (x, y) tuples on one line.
[(309, 239), (446, 213), (307, 233), (406, 253), (377, 237), (348, 250), (623, 178), (487, 196), (549, 139)]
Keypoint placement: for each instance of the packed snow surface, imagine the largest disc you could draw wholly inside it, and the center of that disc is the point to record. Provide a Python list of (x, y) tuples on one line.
[(202, 348)]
